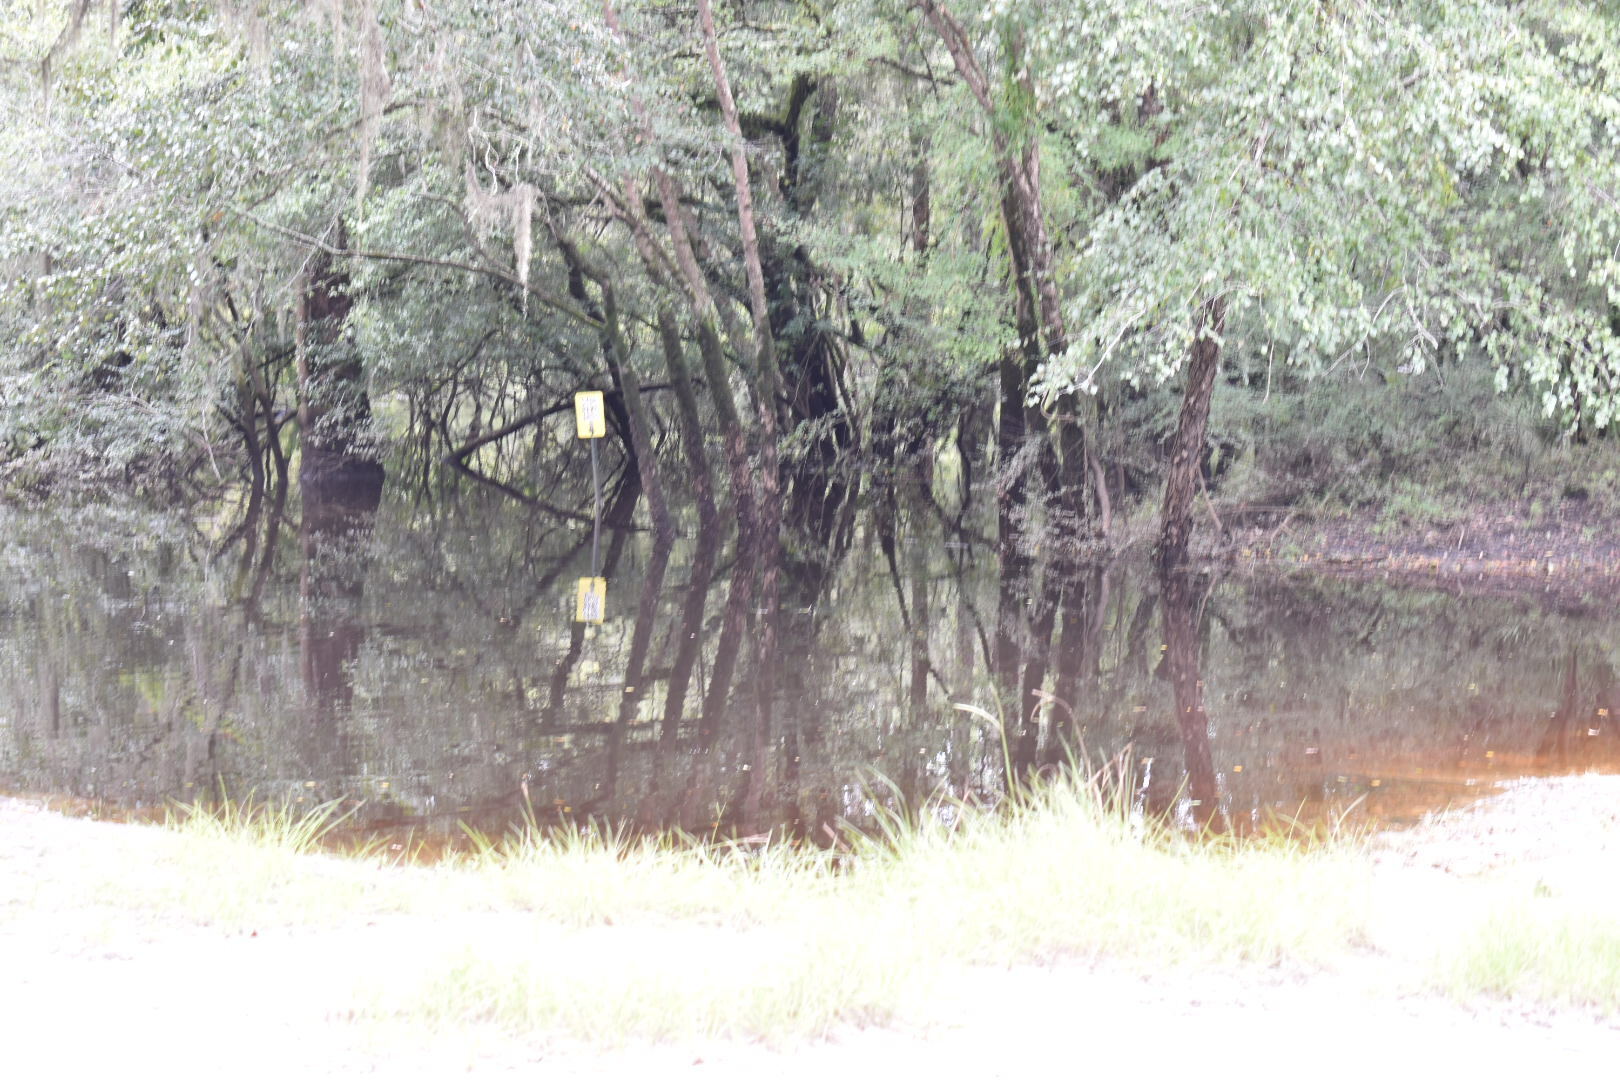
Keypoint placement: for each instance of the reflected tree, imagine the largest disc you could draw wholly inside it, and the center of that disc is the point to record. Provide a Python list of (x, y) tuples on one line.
[(1181, 601)]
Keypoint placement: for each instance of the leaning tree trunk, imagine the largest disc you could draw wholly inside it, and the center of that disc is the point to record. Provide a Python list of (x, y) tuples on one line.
[(680, 377), (1187, 447)]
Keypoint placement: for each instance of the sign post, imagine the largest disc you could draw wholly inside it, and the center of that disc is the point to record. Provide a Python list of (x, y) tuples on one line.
[(590, 417)]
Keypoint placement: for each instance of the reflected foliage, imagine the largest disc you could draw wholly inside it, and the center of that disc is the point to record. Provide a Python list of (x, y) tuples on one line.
[(423, 659)]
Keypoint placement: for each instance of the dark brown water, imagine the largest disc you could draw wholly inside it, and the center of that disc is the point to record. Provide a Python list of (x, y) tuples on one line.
[(423, 662)]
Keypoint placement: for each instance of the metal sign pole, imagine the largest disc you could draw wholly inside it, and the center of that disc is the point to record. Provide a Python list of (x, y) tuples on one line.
[(596, 518), (591, 418)]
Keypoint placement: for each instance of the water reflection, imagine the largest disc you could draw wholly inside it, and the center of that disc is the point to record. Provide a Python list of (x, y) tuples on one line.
[(1181, 596), (423, 659), (333, 533)]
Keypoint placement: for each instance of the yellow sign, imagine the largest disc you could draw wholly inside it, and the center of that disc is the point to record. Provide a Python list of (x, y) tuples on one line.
[(590, 414), (591, 606)]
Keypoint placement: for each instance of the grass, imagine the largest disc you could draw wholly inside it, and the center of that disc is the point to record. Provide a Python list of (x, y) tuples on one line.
[(271, 827), (608, 939), (1524, 951)]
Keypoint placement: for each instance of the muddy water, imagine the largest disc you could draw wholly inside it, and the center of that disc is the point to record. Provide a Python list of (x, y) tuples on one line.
[(424, 663)]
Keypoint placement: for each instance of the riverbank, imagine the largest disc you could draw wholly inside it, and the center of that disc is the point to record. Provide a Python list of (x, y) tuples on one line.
[(993, 945), (1565, 551)]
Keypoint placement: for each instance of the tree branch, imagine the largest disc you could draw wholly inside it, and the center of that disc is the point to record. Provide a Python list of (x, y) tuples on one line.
[(556, 303)]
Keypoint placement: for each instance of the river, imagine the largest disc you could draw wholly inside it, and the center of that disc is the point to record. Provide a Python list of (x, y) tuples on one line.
[(422, 662)]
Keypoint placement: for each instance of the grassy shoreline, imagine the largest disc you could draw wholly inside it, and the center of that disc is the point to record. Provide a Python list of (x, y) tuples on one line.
[(610, 941), (781, 943)]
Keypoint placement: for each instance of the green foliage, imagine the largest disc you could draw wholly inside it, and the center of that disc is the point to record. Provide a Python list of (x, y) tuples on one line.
[(1384, 188), (1331, 220), (138, 285)]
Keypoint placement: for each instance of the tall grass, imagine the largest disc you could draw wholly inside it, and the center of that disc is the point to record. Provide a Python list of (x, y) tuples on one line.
[(270, 826), (607, 937), (649, 938)]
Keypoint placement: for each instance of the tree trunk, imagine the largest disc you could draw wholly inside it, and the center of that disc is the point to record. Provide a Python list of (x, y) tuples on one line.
[(680, 377), (333, 407), (636, 415), (1187, 447), (704, 313), (767, 399), (769, 378), (1041, 328)]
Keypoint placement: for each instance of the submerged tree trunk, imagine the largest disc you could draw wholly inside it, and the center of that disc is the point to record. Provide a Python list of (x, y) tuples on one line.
[(1031, 700), (690, 644), (617, 517), (733, 625), (635, 679), (1077, 659), (767, 398), (1187, 447), (756, 752)]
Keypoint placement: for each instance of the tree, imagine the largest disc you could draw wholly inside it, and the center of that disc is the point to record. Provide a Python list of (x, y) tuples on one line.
[(150, 304), (1285, 201), (785, 242)]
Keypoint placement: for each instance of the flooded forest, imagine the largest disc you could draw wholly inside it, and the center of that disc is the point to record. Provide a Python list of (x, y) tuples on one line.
[(764, 418)]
